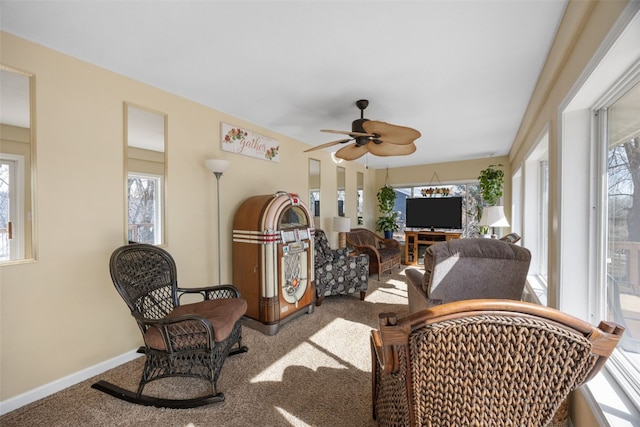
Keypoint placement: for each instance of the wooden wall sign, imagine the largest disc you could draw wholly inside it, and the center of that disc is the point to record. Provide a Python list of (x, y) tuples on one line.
[(248, 143)]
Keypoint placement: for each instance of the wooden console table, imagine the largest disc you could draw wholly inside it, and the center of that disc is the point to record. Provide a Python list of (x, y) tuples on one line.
[(413, 239)]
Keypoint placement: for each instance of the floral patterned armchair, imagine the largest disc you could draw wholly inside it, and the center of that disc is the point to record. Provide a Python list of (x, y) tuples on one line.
[(337, 272)]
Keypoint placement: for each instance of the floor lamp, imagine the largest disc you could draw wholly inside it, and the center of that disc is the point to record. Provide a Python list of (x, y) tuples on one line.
[(218, 167)]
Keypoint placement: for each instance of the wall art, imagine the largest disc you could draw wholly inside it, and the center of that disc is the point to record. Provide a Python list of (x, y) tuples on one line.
[(248, 143)]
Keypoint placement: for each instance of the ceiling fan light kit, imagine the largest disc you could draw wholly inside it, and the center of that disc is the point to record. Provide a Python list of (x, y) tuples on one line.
[(371, 136)]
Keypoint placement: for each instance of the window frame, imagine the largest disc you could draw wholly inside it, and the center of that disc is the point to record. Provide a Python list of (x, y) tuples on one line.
[(577, 286), (620, 368), (536, 211), (574, 216), (16, 164), (157, 203)]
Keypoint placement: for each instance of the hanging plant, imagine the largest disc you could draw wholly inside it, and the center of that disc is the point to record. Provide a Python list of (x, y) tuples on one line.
[(386, 201), (491, 184)]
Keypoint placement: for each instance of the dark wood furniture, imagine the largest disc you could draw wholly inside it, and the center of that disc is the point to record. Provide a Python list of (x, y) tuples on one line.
[(413, 240), (384, 254), (180, 340), (483, 362)]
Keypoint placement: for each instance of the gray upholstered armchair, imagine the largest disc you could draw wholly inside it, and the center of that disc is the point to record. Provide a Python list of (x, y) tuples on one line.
[(464, 269), (337, 272)]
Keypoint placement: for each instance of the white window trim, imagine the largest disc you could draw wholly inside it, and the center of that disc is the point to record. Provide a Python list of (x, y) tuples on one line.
[(157, 203), (517, 191), (532, 180), (579, 234), (17, 244)]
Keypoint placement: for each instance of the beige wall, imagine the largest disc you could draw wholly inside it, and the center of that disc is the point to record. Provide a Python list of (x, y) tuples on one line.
[(61, 314), (65, 305)]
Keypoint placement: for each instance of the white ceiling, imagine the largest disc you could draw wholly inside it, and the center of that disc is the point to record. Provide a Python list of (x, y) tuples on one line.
[(460, 72)]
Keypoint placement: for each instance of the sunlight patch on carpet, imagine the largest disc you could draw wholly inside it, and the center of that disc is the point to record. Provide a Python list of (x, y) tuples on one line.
[(303, 355), (291, 418), (392, 291), (346, 340)]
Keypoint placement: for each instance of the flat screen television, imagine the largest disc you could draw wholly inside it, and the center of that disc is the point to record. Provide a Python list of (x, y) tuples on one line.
[(434, 212)]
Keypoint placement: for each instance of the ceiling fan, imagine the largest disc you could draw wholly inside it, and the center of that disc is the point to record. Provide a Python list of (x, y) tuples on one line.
[(370, 136)]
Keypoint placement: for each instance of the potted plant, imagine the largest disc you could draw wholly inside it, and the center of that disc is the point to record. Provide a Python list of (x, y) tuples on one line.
[(387, 222), (491, 181), (491, 184)]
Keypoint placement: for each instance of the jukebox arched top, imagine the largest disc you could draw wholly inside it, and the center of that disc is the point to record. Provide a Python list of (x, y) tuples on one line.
[(293, 217)]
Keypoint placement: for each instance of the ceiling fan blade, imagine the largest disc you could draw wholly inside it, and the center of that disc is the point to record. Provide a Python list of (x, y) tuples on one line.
[(392, 134), (352, 152), (328, 144), (344, 132), (386, 150)]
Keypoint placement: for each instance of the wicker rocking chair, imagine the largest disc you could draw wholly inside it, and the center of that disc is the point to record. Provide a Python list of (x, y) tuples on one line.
[(483, 362), (189, 340)]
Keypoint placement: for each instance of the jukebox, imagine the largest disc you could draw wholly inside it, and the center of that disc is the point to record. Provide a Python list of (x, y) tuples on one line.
[(273, 259)]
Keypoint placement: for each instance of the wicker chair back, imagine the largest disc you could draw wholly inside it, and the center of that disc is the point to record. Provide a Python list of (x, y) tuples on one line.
[(483, 362), (145, 277)]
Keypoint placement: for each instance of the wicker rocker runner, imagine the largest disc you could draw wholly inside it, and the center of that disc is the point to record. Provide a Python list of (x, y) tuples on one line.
[(189, 340), (483, 363)]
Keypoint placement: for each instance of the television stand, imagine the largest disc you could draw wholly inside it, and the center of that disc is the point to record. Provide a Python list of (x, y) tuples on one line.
[(413, 240)]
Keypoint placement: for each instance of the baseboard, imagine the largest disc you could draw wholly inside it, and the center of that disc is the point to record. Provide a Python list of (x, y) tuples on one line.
[(62, 383)]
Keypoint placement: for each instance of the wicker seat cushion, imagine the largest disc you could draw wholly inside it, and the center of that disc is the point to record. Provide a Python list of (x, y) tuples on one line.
[(388, 253), (222, 313)]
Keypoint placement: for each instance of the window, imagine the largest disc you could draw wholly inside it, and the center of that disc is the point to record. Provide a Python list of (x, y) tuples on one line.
[(579, 285), (314, 197), (536, 209), (144, 201), (471, 199), (12, 237), (621, 226), (543, 217)]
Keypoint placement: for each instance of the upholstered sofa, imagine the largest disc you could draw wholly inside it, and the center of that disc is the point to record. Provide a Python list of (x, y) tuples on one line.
[(384, 254), (470, 268), (337, 272)]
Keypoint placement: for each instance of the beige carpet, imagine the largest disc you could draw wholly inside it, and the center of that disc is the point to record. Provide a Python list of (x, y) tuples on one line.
[(316, 371)]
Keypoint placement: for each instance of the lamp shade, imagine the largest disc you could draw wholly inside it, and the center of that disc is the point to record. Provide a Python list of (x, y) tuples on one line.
[(493, 216), (341, 224), (217, 165)]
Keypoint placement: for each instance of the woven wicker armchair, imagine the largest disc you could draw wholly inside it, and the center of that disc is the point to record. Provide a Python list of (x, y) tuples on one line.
[(337, 272), (483, 363), (384, 254), (189, 340)]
